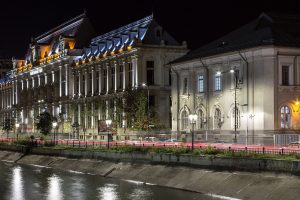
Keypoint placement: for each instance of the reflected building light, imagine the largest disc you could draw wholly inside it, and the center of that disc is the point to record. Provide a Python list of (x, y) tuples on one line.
[(141, 193), (108, 192), (54, 188), (17, 184)]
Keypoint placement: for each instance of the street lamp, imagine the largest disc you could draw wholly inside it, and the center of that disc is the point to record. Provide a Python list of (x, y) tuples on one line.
[(54, 124), (236, 72), (17, 127), (148, 111), (193, 119), (108, 123)]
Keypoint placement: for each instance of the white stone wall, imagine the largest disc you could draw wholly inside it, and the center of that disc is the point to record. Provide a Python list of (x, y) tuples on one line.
[(259, 98)]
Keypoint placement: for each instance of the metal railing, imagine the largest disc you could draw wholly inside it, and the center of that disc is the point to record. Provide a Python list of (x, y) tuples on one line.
[(279, 150)]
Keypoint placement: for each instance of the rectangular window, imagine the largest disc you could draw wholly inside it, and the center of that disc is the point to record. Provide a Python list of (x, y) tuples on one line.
[(185, 85), (77, 84), (97, 82), (104, 80), (200, 83), (121, 76), (113, 78), (218, 82), (150, 72), (90, 83), (285, 75), (129, 75), (83, 84)]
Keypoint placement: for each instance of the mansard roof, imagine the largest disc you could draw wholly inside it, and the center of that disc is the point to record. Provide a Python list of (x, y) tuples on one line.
[(78, 28), (145, 30), (267, 29)]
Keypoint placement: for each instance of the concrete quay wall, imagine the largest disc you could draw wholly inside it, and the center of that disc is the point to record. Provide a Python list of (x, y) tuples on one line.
[(194, 173)]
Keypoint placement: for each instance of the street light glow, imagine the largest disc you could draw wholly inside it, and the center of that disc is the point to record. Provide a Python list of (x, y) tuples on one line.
[(231, 71), (144, 84), (17, 125), (193, 118), (108, 122), (54, 124)]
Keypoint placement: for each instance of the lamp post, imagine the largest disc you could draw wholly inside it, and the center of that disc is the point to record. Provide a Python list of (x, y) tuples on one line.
[(148, 111), (193, 119), (54, 124), (17, 127), (108, 123)]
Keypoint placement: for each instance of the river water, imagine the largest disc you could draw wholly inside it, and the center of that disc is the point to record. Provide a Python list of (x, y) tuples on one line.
[(23, 182)]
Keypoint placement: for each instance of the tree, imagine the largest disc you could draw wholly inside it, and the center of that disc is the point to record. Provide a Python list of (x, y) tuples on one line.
[(8, 125), (44, 123), (136, 113)]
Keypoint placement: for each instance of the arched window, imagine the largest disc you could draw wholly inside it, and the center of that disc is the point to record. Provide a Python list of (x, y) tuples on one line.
[(235, 118), (201, 119), (217, 118), (285, 117), (184, 120)]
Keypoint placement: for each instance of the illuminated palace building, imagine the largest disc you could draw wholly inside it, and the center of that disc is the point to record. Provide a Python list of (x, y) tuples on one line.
[(244, 84), (78, 78)]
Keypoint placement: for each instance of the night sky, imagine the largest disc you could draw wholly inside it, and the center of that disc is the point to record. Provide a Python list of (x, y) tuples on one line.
[(197, 22)]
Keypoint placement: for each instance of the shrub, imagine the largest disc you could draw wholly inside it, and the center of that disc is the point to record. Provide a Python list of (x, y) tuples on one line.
[(49, 144)]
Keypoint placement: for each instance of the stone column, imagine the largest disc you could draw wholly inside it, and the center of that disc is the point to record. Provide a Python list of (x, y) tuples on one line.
[(136, 71), (32, 82), (107, 78), (53, 77), (46, 78), (79, 114), (13, 92), (125, 75), (100, 80), (93, 81), (60, 82), (66, 79), (79, 84), (92, 118), (124, 122), (16, 92), (85, 116), (116, 76), (106, 109), (86, 82)]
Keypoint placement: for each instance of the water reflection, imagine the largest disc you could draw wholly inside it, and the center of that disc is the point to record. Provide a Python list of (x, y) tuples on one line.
[(54, 188), (140, 193), (17, 192), (108, 192), (30, 183)]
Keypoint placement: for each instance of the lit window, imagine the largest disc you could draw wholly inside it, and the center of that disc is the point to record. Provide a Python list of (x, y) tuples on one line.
[(285, 117), (200, 83), (201, 119), (184, 120), (218, 82), (217, 118)]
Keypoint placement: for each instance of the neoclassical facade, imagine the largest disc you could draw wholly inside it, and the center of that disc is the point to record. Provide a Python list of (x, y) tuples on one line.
[(80, 78), (245, 84)]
